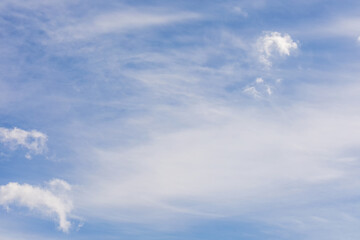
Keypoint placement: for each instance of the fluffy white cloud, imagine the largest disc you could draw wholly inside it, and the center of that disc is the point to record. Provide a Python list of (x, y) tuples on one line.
[(49, 200), (33, 140), (259, 80), (275, 43)]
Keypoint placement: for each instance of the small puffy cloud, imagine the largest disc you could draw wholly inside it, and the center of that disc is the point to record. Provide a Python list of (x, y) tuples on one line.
[(259, 80), (358, 39), (275, 43), (33, 140), (49, 200)]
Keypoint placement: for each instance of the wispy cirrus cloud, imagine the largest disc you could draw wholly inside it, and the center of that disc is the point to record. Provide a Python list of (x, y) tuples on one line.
[(234, 157), (259, 88), (118, 22), (339, 26)]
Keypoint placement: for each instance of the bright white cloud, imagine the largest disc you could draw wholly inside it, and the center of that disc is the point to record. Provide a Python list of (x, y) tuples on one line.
[(275, 43), (49, 200), (33, 140)]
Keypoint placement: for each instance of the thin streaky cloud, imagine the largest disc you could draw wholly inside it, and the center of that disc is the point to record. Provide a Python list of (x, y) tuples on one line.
[(118, 22)]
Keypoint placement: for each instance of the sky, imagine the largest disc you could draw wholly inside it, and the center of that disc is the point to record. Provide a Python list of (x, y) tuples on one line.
[(198, 120)]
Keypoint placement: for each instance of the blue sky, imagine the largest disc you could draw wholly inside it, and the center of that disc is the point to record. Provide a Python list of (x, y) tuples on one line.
[(193, 120)]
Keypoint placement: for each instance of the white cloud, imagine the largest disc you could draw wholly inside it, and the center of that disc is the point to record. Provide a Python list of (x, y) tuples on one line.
[(252, 91), (49, 200), (275, 43), (116, 22), (258, 89), (242, 159), (59, 185), (259, 80), (33, 140)]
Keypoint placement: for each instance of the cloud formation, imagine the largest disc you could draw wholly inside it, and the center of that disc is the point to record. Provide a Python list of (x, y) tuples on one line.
[(275, 43), (160, 116), (252, 91), (259, 89), (33, 140), (115, 22), (49, 200), (220, 169)]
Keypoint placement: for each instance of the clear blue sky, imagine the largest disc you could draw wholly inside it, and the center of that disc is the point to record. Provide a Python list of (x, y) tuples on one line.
[(197, 120)]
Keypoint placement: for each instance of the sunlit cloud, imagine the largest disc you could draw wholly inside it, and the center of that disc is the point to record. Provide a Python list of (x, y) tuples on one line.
[(275, 43), (48, 200), (33, 140)]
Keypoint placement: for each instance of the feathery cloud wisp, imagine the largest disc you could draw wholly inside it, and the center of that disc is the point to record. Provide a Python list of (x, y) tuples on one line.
[(117, 22)]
